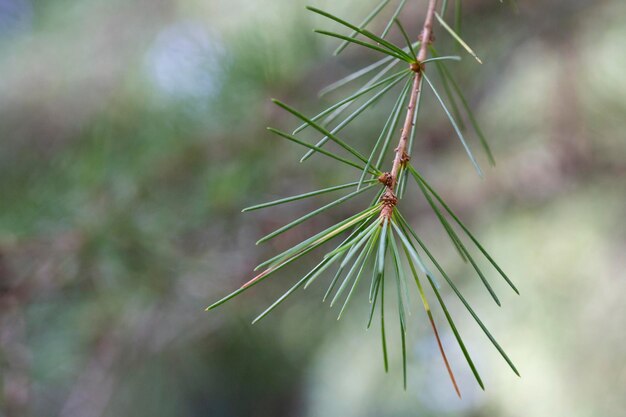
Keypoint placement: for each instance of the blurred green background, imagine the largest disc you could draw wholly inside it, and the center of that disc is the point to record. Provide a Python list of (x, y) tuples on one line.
[(133, 132)]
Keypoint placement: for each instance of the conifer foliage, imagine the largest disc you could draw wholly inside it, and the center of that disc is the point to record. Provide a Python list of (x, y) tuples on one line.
[(377, 247)]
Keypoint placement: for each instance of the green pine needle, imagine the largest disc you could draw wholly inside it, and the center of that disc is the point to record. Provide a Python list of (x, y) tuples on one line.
[(352, 98), (362, 43), (355, 114), (388, 45), (318, 149), (303, 196), (320, 129), (362, 25), (457, 38), (455, 126), (396, 13), (312, 214)]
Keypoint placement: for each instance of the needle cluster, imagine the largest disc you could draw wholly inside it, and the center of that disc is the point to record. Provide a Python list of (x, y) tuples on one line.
[(378, 241)]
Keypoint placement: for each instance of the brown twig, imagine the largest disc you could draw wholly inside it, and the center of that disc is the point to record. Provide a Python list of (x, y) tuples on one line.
[(401, 156)]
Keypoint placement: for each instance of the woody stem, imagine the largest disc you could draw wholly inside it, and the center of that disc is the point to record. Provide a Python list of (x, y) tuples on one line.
[(401, 155)]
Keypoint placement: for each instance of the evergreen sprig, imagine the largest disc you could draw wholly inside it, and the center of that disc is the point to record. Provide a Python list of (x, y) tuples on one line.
[(379, 238)]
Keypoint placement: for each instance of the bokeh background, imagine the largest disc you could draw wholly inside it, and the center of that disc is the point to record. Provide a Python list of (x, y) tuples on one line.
[(132, 134)]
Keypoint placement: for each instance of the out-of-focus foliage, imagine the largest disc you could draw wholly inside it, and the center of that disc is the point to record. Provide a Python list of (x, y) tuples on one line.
[(132, 133)]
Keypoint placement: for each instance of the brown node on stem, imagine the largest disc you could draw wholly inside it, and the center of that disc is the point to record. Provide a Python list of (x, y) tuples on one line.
[(386, 179), (389, 201), (405, 158), (416, 67)]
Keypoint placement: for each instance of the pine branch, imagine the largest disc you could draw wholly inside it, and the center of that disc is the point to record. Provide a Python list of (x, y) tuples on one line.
[(378, 232), (401, 155)]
